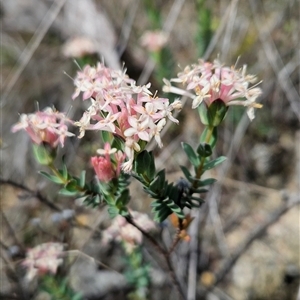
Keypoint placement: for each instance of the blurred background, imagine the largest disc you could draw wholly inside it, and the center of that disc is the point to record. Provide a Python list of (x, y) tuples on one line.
[(245, 238)]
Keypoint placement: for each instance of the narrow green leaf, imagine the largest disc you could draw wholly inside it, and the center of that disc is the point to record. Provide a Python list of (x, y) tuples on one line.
[(65, 192), (211, 164), (52, 178), (207, 181), (82, 179), (106, 136), (155, 204), (216, 112), (142, 162), (151, 167), (186, 173), (192, 156), (202, 110), (113, 211), (43, 155), (64, 171), (199, 191)]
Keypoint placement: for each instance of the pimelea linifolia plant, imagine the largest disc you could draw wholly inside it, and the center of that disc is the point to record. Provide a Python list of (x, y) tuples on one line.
[(129, 117)]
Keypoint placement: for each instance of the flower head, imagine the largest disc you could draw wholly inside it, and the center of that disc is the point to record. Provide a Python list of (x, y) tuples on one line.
[(123, 108), (213, 81), (120, 230), (47, 126), (42, 259)]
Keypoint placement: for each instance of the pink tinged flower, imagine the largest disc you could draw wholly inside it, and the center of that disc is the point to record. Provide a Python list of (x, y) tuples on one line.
[(138, 127), (130, 146), (201, 94), (107, 151), (46, 126), (104, 168), (120, 230), (42, 259), (211, 81), (156, 129)]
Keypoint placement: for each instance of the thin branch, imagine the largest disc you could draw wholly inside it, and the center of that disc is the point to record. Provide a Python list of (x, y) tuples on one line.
[(43, 200), (35, 194), (163, 252)]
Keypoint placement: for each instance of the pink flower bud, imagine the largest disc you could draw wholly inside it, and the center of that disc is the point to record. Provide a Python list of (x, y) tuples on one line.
[(103, 168)]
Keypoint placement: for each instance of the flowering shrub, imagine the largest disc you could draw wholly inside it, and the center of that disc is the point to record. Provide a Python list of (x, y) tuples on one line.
[(129, 116)]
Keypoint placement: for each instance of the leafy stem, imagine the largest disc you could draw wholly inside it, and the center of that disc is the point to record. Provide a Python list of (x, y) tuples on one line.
[(199, 172)]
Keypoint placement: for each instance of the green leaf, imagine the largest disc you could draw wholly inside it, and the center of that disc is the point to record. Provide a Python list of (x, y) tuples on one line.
[(52, 178), (192, 156), (216, 112), (199, 191), (155, 184), (151, 167), (186, 173), (113, 211), (162, 178), (155, 204), (207, 181), (142, 162), (174, 207), (44, 155), (106, 136), (123, 199), (82, 179), (162, 215), (211, 164), (202, 110), (72, 186), (64, 170), (65, 192)]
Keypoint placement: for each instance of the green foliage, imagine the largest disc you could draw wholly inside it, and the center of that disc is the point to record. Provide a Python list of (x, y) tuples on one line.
[(213, 114), (192, 156), (167, 197), (53, 178), (43, 154), (58, 288), (211, 164), (145, 166), (116, 195), (137, 274)]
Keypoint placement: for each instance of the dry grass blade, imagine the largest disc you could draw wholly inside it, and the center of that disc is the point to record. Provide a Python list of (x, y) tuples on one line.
[(275, 60), (31, 48)]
